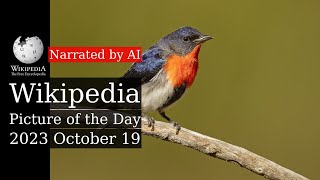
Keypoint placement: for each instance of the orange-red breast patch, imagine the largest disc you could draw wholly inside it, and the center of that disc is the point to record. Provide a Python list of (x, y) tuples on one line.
[(182, 69)]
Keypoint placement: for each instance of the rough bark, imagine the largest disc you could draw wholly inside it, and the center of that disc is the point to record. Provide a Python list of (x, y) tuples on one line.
[(222, 150)]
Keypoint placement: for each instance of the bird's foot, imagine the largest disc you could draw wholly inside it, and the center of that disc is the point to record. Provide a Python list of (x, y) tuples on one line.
[(176, 125), (150, 122)]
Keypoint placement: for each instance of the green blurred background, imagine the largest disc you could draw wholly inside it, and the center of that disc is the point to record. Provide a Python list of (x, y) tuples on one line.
[(258, 85)]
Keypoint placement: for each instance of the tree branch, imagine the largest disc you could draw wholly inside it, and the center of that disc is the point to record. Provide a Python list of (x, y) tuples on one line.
[(207, 145), (222, 150)]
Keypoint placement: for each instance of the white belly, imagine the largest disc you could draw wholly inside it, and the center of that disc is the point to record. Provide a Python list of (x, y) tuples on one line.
[(155, 93)]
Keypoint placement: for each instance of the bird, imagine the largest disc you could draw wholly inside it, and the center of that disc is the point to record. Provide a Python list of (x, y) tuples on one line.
[(167, 69)]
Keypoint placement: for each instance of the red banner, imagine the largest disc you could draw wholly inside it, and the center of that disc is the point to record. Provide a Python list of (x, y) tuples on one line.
[(94, 54)]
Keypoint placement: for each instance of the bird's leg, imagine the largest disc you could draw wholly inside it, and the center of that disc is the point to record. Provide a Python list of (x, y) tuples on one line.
[(150, 121), (175, 124)]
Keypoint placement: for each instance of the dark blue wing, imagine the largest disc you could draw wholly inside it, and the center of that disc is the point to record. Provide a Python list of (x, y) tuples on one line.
[(151, 64)]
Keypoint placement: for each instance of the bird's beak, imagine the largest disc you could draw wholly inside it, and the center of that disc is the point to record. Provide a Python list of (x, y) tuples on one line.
[(202, 39)]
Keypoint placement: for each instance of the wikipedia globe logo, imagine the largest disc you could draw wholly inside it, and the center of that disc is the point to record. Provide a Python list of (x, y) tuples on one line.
[(28, 51)]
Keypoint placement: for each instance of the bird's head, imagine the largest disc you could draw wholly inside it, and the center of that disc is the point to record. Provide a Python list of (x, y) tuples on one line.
[(183, 41)]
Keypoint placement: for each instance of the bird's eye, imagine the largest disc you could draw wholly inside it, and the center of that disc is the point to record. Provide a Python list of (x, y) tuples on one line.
[(186, 38)]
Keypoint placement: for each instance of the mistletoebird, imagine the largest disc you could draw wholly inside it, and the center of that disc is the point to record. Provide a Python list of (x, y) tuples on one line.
[(167, 69)]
